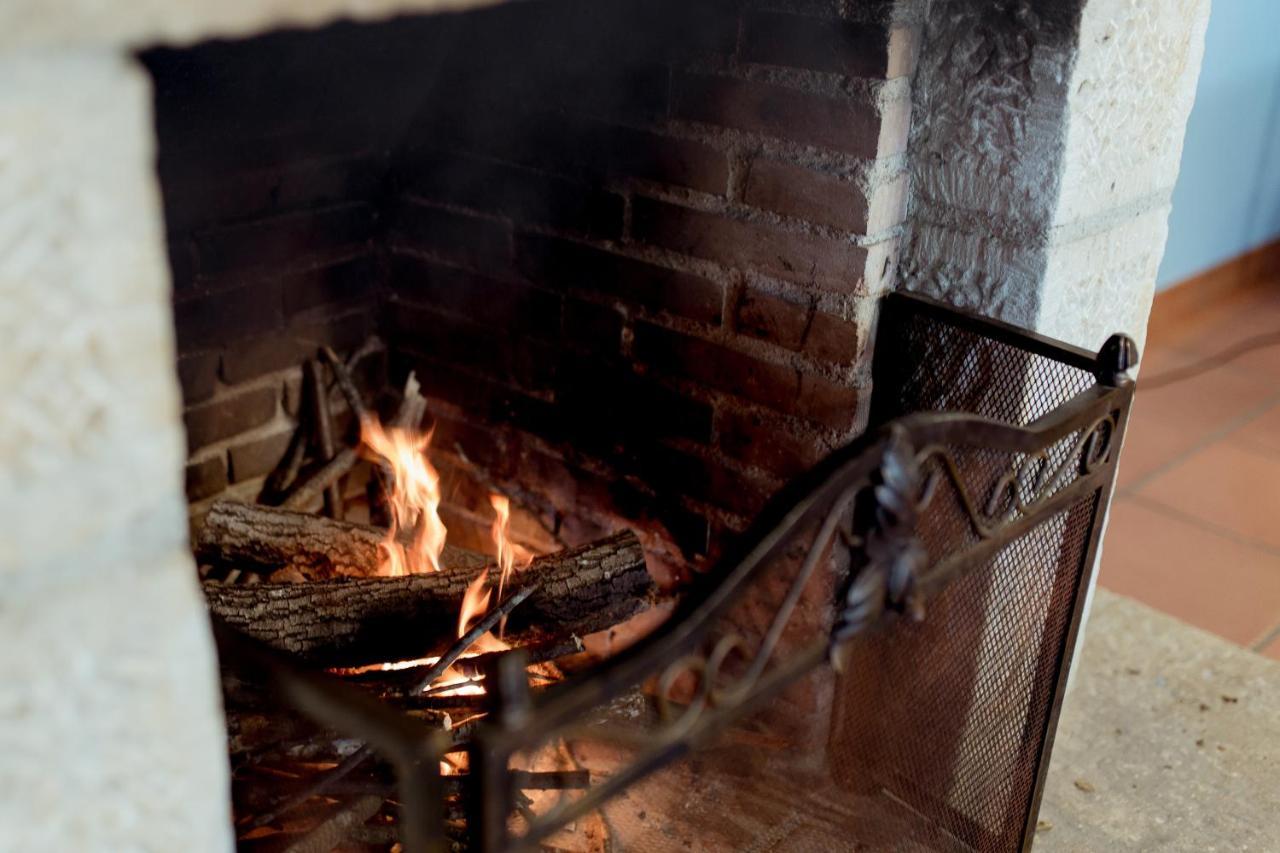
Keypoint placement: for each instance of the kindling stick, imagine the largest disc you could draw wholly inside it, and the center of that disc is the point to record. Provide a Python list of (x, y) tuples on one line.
[(492, 618)]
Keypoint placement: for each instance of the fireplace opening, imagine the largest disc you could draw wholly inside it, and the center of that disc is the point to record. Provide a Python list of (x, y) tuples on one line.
[(629, 248), (504, 338)]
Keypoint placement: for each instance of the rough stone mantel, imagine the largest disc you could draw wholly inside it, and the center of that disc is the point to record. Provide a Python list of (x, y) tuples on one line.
[(1044, 154), (79, 24)]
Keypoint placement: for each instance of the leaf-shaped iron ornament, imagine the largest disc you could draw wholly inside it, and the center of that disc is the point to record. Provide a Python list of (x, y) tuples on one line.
[(888, 559)]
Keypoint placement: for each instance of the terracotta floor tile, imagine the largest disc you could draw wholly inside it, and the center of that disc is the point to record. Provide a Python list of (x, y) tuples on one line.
[(1159, 357), (1253, 314), (1191, 573), (1262, 433), (1250, 313), (1234, 488), (1198, 534), (1170, 421)]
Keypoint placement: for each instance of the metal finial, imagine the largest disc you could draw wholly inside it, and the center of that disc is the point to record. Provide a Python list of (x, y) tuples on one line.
[(1115, 359)]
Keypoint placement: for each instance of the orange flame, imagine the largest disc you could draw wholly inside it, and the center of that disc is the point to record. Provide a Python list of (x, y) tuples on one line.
[(414, 500), (474, 603), (414, 503), (510, 555)]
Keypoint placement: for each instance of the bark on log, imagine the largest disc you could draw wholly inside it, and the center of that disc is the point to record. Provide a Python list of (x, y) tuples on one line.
[(263, 538), (366, 620), (323, 479)]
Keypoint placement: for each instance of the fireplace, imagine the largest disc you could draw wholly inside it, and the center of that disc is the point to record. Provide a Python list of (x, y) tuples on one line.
[(633, 267), (879, 665), (631, 277)]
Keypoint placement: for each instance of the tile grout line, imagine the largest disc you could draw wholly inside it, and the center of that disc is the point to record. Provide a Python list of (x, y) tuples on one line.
[(1270, 635), (1185, 346), (1183, 349), (1230, 367), (1217, 435), (1208, 526), (1253, 446)]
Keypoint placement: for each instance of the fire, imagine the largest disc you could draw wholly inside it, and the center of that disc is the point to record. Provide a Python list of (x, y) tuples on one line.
[(414, 504), (474, 602), (510, 555), (414, 501), (474, 605)]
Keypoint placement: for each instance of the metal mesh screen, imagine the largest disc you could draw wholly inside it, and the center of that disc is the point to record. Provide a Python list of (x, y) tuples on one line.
[(949, 715), (926, 364), (930, 741)]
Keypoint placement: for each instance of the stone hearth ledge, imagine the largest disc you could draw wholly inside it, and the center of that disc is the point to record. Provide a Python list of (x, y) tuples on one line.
[(1169, 740)]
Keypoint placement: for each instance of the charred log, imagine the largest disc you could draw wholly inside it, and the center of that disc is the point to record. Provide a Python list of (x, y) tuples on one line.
[(271, 538), (364, 620)]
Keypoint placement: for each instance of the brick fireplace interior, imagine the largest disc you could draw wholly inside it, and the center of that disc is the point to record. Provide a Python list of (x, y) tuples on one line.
[(630, 249)]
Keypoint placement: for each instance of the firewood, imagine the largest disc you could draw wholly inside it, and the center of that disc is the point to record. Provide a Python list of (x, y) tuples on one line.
[(323, 479), (365, 620), (285, 474), (413, 407), (267, 539), (323, 419), (346, 384), (262, 730)]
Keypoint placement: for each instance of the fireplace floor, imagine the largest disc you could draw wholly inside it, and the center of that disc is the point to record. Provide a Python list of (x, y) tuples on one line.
[(719, 803)]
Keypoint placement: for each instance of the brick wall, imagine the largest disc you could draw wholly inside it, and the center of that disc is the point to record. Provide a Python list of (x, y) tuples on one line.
[(272, 158), (630, 248), (648, 234)]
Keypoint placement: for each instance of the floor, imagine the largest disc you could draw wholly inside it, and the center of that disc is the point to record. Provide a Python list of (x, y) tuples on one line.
[(1195, 526), (1169, 741)]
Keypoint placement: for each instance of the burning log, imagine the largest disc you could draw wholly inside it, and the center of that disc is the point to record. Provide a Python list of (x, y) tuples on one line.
[(464, 643), (364, 620), (271, 538)]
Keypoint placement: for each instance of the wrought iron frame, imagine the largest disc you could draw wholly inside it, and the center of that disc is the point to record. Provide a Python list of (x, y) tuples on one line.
[(895, 470)]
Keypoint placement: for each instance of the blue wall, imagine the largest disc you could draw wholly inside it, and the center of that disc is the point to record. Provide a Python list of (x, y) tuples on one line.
[(1227, 199)]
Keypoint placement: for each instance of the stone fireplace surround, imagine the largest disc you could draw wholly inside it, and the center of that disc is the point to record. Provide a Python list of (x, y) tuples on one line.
[(741, 228)]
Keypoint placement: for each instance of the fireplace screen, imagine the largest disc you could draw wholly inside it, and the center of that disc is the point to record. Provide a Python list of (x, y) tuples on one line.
[(879, 666)]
